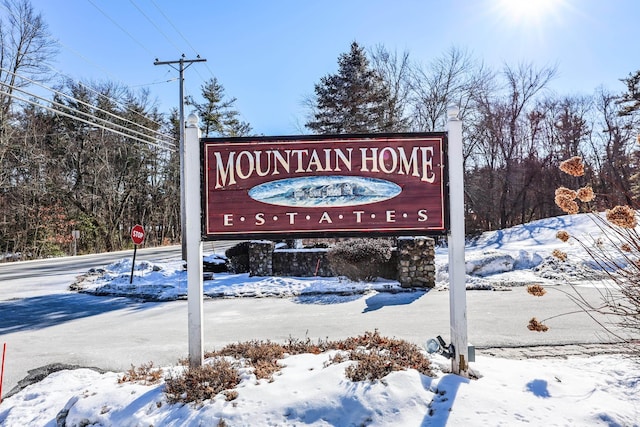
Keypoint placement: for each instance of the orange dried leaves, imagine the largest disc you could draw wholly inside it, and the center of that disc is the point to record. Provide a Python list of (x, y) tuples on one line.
[(585, 194), (622, 216), (565, 199), (534, 325), (536, 290), (573, 166), (562, 256)]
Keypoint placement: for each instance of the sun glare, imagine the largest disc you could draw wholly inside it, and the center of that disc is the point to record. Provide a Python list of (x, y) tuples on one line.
[(528, 12)]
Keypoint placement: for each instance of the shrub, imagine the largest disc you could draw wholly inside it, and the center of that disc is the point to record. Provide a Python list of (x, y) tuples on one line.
[(263, 356), (145, 374), (238, 256), (360, 259), (198, 384), (377, 356), (616, 254)]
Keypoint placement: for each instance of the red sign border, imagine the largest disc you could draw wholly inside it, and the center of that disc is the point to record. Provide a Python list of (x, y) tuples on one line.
[(288, 234), (143, 235)]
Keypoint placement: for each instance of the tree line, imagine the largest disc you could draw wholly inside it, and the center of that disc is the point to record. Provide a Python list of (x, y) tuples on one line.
[(100, 158), (516, 129)]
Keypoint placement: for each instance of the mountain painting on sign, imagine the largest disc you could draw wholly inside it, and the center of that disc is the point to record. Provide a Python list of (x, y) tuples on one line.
[(325, 191)]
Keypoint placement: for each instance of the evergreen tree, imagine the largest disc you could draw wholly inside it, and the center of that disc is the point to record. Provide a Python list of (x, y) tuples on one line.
[(217, 116), (631, 99), (354, 100)]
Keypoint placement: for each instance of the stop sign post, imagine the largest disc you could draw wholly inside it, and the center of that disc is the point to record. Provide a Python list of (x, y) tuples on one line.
[(137, 235)]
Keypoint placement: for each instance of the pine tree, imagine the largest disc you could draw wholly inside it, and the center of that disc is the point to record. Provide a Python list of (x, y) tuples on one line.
[(352, 101), (631, 99), (217, 116)]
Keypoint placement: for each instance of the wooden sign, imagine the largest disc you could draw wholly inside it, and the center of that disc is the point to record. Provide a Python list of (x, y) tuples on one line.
[(314, 186)]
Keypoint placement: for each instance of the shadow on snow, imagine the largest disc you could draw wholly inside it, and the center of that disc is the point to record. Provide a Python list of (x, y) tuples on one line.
[(51, 310), (385, 299), (445, 390)]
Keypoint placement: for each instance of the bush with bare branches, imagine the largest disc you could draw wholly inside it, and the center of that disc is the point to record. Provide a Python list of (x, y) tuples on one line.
[(616, 253)]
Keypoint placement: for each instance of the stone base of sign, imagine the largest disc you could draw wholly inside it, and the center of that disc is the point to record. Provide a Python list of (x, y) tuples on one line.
[(412, 263), (416, 262), (261, 258), (302, 263)]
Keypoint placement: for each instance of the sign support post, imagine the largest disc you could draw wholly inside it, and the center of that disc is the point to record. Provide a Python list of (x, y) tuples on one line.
[(191, 185), (137, 236), (456, 240)]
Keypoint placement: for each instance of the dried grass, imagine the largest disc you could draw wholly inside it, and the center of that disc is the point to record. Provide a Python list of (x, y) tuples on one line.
[(375, 356), (201, 383), (145, 374)]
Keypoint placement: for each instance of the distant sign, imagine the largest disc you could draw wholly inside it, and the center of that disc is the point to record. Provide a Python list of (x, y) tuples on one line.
[(137, 234), (312, 186)]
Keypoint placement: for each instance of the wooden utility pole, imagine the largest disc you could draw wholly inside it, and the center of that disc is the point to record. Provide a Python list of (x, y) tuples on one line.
[(183, 64)]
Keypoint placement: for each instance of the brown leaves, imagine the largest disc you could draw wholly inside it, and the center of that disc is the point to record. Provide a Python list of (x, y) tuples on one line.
[(534, 325), (562, 256), (565, 199), (585, 194), (536, 290), (573, 166), (622, 216)]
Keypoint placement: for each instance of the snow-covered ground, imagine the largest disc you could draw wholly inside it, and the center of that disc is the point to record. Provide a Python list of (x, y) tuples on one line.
[(512, 257), (602, 390)]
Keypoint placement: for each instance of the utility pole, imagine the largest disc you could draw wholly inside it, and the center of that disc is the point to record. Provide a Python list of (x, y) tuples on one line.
[(183, 64)]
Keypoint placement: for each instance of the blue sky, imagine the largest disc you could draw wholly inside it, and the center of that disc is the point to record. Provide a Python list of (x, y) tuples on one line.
[(269, 54)]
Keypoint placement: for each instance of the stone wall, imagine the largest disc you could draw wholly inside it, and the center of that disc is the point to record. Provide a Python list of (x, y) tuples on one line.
[(416, 262), (412, 263), (261, 258), (301, 263)]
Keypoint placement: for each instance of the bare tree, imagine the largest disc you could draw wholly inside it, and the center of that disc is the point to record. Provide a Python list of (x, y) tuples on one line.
[(506, 137), (395, 72), (25, 49), (452, 78), (614, 137)]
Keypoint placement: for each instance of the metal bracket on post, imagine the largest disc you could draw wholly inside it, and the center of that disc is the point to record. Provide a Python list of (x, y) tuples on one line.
[(194, 240), (456, 240)]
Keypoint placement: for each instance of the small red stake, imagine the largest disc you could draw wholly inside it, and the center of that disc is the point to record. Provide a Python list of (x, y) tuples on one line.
[(4, 351)]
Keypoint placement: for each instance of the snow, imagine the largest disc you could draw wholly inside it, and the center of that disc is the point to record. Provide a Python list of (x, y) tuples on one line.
[(586, 391)]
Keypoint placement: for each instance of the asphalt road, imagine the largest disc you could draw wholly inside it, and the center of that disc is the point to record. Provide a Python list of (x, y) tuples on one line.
[(42, 322)]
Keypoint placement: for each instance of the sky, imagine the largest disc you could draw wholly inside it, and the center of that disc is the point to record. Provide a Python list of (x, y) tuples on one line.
[(270, 54)]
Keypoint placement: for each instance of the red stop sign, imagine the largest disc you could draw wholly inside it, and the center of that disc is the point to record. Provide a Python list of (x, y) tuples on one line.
[(137, 234)]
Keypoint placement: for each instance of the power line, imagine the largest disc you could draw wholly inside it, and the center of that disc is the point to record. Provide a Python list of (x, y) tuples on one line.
[(183, 38), (96, 120), (37, 104), (173, 26), (115, 101), (120, 27), (154, 24), (168, 137)]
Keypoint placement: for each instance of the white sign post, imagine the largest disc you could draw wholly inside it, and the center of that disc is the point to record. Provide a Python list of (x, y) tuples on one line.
[(193, 229), (456, 240)]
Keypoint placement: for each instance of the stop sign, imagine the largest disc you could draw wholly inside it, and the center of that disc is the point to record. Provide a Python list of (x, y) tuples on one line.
[(137, 234)]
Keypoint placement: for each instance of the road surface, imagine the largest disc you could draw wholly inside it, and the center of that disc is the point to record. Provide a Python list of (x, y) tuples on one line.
[(42, 322)]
